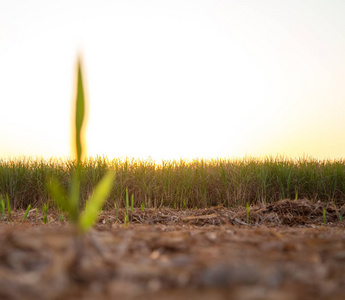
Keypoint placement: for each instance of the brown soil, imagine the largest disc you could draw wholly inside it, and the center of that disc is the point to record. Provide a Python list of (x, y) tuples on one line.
[(286, 252)]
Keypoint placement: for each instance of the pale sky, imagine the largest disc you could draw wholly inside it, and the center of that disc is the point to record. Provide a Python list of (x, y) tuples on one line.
[(171, 79)]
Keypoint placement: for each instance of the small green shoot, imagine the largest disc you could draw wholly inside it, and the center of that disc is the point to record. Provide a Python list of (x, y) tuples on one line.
[(126, 220), (324, 216), (338, 214), (142, 206), (26, 212), (247, 208), (2, 209), (132, 206), (185, 205), (95, 203), (72, 203), (9, 208), (45, 212), (60, 215), (127, 203)]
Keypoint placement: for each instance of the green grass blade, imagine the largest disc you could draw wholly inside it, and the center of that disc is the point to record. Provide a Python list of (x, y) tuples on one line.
[(96, 201), (340, 217), (45, 212), (58, 194), (132, 206), (26, 212), (80, 112), (74, 193), (9, 208), (324, 216), (2, 208), (127, 202), (247, 209)]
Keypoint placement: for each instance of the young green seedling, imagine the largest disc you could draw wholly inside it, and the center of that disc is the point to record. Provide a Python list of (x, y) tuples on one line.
[(70, 204), (132, 206), (247, 208), (26, 212), (340, 217), (324, 216), (45, 212), (59, 213), (2, 209), (185, 205), (126, 220), (127, 204), (338, 214), (9, 208)]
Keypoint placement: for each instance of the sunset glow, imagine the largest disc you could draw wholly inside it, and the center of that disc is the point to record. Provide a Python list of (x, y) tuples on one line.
[(175, 79)]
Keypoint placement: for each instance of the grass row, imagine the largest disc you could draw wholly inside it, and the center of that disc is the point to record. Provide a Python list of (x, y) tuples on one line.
[(179, 184)]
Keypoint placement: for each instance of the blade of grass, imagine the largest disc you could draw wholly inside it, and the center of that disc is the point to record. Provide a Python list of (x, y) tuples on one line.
[(127, 202), (26, 212), (58, 194), (96, 201), (9, 208), (324, 216), (340, 217), (247, 209), (2, 209), (132, 206), (74, 196), (45, 212), (80, 112)]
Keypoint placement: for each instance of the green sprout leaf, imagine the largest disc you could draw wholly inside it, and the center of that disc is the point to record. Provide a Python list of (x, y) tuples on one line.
[(59, 195), (96, 201), (74, 192), (127, 203), (247, 209), (2, 209), (72, 203), (80, 112), (45, 212), (9, 208), (26, 212)]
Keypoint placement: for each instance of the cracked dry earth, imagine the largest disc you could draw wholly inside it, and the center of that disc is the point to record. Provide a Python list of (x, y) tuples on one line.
[(180, 259)]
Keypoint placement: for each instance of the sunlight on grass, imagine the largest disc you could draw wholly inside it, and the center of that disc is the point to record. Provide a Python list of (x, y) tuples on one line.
[(72, 204), (179, 184)]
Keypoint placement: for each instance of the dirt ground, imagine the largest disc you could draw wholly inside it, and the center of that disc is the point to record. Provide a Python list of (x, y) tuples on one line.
[(285, 252)]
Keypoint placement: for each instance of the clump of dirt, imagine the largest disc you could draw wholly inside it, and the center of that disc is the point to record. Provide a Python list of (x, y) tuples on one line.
[(285, 252)]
